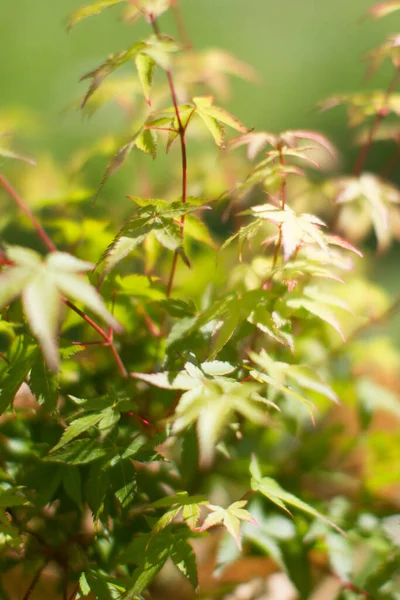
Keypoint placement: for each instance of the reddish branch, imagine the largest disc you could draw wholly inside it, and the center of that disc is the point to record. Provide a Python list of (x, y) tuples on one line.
[(182, 136), (108, 338), (34, 582), (360, 162), (25, 209)]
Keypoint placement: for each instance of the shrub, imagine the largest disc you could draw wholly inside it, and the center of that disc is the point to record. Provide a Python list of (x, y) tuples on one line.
[(209, 373)]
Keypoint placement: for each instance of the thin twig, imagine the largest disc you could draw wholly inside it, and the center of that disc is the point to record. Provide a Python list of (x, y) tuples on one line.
[(75, 592), (106, 337), (25, 209), (34, 581), (182, 137), (360, 162), (52, 248)]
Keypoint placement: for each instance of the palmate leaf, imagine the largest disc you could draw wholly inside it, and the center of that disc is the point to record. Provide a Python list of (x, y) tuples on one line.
[(42, 284), (150, 553), (230, 311), (155, 50), (291, 380), (317, 303), (95, 8), (361, 107), (213, 68), (230, 518), (295, 230), (271, 489), (21, 358), (210, 402), (154, 216), (256, 141), (188, 506), (389, 50), (376, 203), (215, 118), (43, 383)]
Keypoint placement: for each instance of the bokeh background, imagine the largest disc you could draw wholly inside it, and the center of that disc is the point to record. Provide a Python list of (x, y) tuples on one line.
[(303, 51)]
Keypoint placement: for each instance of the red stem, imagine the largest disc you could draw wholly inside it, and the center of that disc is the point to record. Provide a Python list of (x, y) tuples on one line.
[(34, 582), (360, 162), (52, 248), (25, 209), (106, 337), (182, 137)]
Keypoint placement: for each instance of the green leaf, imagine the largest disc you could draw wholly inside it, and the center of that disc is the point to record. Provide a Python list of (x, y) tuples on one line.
[(341, 555), (184, 558), (11, 498), (150, 556), (76, 428), (21, 356), (230, 518), (271, 489), (79, 452), (214, 117), (73, 485), (147, 142), (44, 383), (42, 285), (90, 10)]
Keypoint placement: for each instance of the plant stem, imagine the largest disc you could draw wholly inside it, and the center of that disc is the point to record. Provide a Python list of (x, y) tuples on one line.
[(25, 209), (74, 592), (106, 337), (52, 248), (182, 137), (181, 24), (34, 582), (360, 162)]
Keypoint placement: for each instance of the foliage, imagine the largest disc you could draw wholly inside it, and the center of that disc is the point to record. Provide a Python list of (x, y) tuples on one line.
[(228, 385)]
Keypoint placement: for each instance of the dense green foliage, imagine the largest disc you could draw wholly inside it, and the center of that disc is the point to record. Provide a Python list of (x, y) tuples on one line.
[(192, 361)]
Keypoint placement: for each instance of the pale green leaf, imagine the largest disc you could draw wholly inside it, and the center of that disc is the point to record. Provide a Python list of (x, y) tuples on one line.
[(66, 262), (274, 492), (145, 68), (12, 282), (90, 10), (41, 302)]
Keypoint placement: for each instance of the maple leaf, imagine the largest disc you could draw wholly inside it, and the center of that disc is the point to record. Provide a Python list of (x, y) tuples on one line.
[(367, 202), (256, 141), (295, 230), (210, 400), (42, 284), (229, 518)]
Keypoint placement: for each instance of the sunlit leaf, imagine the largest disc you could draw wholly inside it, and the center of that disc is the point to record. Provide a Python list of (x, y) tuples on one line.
[(230, 518), (271, 489), (42, 285), (90, 10)]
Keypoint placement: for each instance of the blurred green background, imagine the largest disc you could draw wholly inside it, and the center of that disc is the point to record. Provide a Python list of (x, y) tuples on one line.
[(304, 50)]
